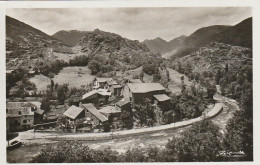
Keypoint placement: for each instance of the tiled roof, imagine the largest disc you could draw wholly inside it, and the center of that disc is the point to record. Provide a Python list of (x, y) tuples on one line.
[(109, 110), (92, 109), (103, 92), (17, 112), (161, 97), (89, 94), (73, 112), (11, 105), (145, 87)]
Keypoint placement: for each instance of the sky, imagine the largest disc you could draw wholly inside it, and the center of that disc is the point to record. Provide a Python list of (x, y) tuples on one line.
[(133, 23)]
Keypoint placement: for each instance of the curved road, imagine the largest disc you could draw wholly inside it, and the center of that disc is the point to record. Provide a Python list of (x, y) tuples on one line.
[(26, 152)]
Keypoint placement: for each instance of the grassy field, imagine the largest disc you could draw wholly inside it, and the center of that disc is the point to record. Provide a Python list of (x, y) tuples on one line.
[(41, 82), (75, 76), (135, 72), (175, 83)]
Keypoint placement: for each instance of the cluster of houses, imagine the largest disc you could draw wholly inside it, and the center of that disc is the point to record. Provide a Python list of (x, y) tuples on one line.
[(96, 107), (104, 104)]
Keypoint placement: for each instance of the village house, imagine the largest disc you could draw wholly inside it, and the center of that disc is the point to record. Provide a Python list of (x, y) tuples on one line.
[(111, 112), (104, 83), (93, 116), (137, 93), (23, 115), (96, 97)]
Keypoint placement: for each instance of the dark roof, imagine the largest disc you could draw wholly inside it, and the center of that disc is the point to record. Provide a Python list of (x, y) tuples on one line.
[(92, 109), (145, 87), (122, 103), (73, 112), (161, 97)]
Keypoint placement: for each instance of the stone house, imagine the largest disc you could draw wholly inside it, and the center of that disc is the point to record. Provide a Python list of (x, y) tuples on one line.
[(23, 115)]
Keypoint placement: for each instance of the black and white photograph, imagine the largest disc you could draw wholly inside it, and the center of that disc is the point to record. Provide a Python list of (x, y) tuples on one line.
[(129, 84)]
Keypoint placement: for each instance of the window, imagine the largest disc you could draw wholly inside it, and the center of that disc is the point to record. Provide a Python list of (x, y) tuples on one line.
[(19, 112), (24, 121)]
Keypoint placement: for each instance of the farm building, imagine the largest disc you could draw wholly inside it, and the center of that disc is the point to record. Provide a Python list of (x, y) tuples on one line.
[(74, 113), (162, 101), (23, 115), (91, 113), (139, 92)]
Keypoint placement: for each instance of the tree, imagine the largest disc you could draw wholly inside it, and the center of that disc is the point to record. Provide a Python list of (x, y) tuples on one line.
[(61, 93), (45, 104), (202, 142), (94, 66), (211, 91), (126, 119), (142, 76), (226, 68), (168, 75), (145, 114), (239, 136), (218, 76)]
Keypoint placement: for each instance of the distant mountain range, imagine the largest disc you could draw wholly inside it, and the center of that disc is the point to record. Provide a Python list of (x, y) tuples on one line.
[(159, 45), (22, 39), (237, 35)]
